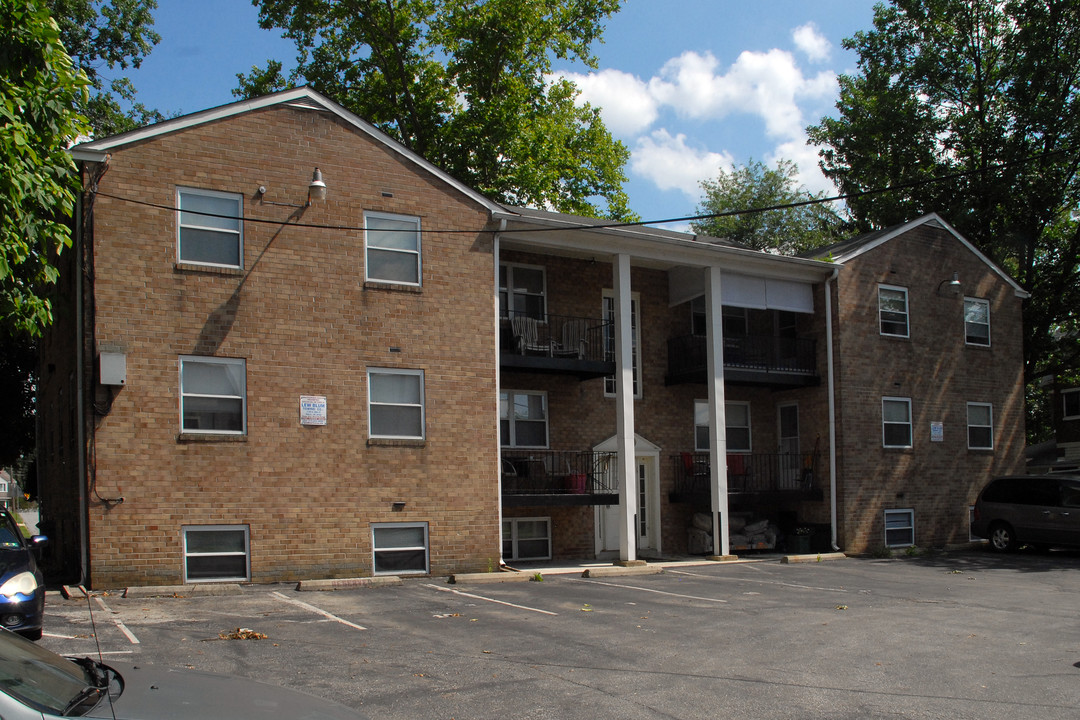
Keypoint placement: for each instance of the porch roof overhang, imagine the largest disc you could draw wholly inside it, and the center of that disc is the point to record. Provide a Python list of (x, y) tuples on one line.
[(531, 230)]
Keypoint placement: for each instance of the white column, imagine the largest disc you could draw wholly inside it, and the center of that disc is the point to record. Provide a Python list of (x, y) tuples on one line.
[(624, 410), (717, 416)]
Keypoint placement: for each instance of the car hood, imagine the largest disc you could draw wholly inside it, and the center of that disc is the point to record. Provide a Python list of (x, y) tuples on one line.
[(168, 694), (14, 561)]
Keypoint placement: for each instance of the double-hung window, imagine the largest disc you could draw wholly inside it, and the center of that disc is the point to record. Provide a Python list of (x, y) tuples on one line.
[(899, 528), (393, 248), (893, 310), (396, 404), (216, 553), (523, 419), (522, 291), (976, 321), (1070, 404), (896, 422), (213, 395), (609, 340), (209, 231), (736, 420), (400, 548), (980, 424)]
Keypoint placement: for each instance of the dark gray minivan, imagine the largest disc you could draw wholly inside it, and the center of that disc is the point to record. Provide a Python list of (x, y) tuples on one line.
[(1037, 510)]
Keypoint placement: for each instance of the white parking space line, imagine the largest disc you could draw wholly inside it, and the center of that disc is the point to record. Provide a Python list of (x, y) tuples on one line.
[(760, 582), (116, 621), (317, 611), (490, 600), (651, 590)]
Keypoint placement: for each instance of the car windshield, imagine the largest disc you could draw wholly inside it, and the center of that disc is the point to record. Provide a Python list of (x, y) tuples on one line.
[(37, 677)]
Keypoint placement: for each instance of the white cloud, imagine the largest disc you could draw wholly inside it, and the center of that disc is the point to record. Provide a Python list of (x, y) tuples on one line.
[(806, 157), (624, 100), (671, 164), (813, 43)]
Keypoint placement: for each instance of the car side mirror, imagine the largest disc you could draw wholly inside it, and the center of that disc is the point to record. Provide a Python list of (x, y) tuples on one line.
[(38, 541)]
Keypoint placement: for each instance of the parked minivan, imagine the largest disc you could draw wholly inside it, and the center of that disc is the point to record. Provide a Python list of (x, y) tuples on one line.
[(1037, 510)]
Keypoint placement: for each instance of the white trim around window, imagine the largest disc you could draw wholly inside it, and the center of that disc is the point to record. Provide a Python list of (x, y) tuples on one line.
[(980, 426), (523, 419), (209, 228), (977, 321), (395, 404), (527, 538), (399, 548), (213, 395), (900, 528), (523, 291), (738, 438), (392, 249), (1070, 404), (896, 431), (893, 314), (216, 553), (608, 311)]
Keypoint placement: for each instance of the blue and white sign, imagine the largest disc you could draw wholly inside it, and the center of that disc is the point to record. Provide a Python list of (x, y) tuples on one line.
[(312, 409)]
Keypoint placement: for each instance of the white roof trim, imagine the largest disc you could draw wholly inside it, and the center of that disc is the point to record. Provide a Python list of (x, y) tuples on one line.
[(926, 219), (302, 97)]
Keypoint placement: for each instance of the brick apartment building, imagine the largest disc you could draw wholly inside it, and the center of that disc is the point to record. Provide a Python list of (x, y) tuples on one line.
[(405, 377)]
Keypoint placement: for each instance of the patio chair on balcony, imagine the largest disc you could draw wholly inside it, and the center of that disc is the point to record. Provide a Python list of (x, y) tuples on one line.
[(738, 472), (696, 473), (527, 335), (573, 340)]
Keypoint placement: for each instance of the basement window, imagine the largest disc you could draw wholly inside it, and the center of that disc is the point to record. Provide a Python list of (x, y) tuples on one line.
[(400, 548), (216, 553), (899, 528), (526, 538)]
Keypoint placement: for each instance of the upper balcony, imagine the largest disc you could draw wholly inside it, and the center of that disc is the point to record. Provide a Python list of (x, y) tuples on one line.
[(757, 360), (556, 344)]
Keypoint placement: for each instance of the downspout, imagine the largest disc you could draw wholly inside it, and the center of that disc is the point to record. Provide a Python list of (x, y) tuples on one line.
[(495, 239), (832, 407), (80, 393)]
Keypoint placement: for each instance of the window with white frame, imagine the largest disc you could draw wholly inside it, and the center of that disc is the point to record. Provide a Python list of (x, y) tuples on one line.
[(393, 248), (396, 403), (893, 310), (216, 553), (899, 528), (896, 422), (523, 419), (736, 420), (526, 538), (609, 340), (1070, 404), (210, 230), (213, 395), (522, 291), (980, 424), (976, 321), (400, 548)]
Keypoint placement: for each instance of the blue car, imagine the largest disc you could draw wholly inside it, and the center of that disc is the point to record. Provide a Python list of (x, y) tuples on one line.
[(22, 588)]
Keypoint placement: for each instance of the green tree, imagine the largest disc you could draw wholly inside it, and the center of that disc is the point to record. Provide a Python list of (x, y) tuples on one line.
[(39, 91), (787, 231), (102, 36), (468, 86), (983, 87)]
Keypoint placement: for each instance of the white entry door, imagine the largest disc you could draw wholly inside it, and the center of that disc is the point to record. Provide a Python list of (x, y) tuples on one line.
[(647, 522)]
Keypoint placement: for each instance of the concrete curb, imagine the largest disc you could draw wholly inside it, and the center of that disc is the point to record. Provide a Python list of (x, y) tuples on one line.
[(491, 577), (812, 558), (617, 570), (182, 591), (347, 583)]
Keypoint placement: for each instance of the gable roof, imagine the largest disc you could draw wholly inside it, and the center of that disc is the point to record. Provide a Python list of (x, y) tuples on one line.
[(301, 97), (846, 250)]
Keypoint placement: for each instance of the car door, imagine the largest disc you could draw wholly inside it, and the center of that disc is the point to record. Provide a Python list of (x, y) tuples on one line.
[(1065, 518), (1036, 510)]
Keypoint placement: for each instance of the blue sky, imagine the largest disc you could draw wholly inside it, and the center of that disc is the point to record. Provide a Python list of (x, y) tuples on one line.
[(689, 85)]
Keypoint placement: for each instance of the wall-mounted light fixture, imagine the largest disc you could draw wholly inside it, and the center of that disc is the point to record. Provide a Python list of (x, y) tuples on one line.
[(397, 505), (316, 191), (950, 287)]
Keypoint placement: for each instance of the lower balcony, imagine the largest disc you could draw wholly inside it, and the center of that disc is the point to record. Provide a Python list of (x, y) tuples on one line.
[(760, 475), (761, 360), (547, 477)]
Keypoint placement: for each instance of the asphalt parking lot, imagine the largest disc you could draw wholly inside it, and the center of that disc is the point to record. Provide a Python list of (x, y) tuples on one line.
[(970, 635)]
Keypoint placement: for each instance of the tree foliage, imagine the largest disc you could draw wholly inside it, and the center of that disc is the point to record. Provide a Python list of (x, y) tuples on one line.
[(105, 36), (787, 231), (39, 91), (983, 87), (468, 86)]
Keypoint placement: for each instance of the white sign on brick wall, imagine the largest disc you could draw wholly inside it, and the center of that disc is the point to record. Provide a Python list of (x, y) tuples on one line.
[(312, 409), (937, 432)]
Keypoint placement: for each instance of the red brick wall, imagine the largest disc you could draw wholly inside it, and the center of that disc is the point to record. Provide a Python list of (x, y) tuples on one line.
[(939, 373), (301, 316)]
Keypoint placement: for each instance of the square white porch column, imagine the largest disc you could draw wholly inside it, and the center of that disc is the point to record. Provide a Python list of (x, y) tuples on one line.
[(624, 410), (717, 416)]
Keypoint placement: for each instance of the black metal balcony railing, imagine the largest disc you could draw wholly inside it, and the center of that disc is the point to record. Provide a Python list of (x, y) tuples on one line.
[(756, 473), (687, 356), (576, 477), (556, 343)]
